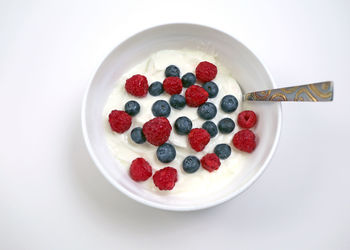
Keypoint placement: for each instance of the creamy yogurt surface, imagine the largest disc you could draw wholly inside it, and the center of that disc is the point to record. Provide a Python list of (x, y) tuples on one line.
[(201, 182)]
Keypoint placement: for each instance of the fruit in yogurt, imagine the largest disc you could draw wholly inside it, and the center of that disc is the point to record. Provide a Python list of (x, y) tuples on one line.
[(190, 164), (246, 119), (137, 85), (161, 108), (210, 162), (229, 103), (188, 80), (120, 121), (195, 96), (137, 135), (140, 170), (206, 71), (183, 125), (207, 111), (211, 88), (177, 101), (226, 125), (165, 178), (172, 85), (174, 148), (244, 140), (156, 88), (198, 139), (157, 130), (132, 108), (223, 151), (211, 128), (166, 153), (172, 70)]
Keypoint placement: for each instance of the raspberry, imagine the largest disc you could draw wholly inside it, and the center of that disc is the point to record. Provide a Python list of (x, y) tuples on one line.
[(246, 119), (196, 96), (210, 162), (120, 121), (206, 71), (140, 170), (198, 138), (157, 130), (137, 85), (172, 85), (165, 178), (244, 140)]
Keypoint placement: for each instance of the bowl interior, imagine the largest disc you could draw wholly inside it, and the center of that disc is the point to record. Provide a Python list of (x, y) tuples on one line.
[(246, 69)]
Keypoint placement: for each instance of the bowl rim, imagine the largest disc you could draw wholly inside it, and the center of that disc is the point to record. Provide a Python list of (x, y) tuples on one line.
[(144, 201)]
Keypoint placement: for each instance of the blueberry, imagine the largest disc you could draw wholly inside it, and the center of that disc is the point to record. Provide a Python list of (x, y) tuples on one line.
[(156, 88), (190, 164), (166, 153), (183, 125), (188, 79), (229, 103), (137, 135), (211, 88), (132, 108), (177, 101), (161, 108), (211, 128), (207, 111), (223, 151), (226, 125), (172, 70)]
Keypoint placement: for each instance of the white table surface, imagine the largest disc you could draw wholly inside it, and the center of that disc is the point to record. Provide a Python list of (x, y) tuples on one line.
[(52, 196)]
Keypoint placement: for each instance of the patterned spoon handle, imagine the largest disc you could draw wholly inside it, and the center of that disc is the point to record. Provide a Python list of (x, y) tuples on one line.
[(314, 92)]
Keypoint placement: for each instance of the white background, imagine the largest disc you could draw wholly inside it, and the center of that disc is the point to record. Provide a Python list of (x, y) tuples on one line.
[(53, 197)]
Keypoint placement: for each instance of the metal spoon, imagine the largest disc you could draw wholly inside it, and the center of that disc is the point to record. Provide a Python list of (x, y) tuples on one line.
[(314, 92)]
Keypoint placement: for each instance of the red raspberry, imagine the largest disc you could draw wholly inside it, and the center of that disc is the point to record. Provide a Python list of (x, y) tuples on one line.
[(120, 121), (244, 140), (137, 85), (172, 85), (210, 162), (246, 119), (140, 170), (206, 71), (198, 138), (157, 130), (165, 178), (196, 96)]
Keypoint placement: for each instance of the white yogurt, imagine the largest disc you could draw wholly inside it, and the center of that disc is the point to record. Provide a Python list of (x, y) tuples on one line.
[(125, 150)]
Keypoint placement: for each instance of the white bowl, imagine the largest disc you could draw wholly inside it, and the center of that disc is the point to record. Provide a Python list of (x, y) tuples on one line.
[(246, 68)]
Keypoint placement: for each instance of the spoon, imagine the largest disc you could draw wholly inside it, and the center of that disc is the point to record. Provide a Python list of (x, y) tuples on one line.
[(314, 92)]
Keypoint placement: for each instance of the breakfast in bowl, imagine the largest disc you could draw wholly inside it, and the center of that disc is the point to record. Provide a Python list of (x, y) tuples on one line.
[(153, 102), (177, 124)]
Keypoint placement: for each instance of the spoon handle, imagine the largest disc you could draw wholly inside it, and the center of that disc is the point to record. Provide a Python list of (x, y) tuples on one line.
[(314, 92)]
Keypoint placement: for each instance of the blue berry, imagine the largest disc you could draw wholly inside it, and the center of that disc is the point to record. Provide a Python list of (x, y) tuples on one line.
[(177, 101), (132, 108), (211, 128), (229, 103), (137, 135), (161, 108), (156, 88), (211, 88), (166, 153), (183, 125), (223, 151), (190, 164), (207, 111), (188, 79), (172, 70), (226, 125)]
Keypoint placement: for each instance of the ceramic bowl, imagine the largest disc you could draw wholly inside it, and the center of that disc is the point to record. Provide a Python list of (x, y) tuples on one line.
[(246, 68)]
